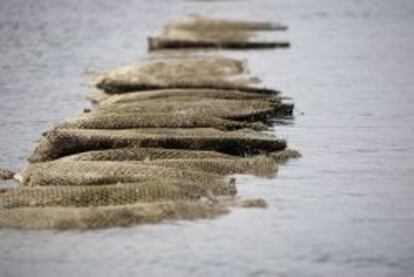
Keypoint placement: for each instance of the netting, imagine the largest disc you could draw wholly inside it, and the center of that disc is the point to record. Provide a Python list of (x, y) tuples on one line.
[(64, 218), (95, 217), (182, 112), (185, 65), (151, 155), (167, 94), (120, 83), (149, 190), (182, 65), (170, 72), (154, 154), (261, 165), (243, 110), (145, 154), (198, 32), (63, 142), (178, 73), (69, 173), (203, 23), (114, 120)]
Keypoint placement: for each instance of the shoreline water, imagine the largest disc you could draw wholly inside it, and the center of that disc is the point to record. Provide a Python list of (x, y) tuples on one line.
[(344, 208)]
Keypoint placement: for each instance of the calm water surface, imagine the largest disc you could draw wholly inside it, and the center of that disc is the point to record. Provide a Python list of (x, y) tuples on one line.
[(346, 208)]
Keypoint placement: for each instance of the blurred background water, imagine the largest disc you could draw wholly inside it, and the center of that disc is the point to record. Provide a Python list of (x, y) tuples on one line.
[(345, 208)]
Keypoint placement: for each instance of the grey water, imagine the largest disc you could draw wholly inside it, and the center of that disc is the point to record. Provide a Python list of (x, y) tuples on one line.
[(345, 209)]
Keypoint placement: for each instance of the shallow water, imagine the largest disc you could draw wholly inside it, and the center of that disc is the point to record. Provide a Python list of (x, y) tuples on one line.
[(345, 208)]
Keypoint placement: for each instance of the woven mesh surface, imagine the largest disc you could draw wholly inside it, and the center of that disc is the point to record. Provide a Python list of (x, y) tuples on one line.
[(106, 216), (262, 166), (119, 83), (167, 94), (210, 162), (62, 142), (183, 65), (178, 73), (245, 110), (199, 160), (68, 173), (204, 33), (119, 194), (145, 154), (203, 23), (132, 120), (181, 112), (162, 152)]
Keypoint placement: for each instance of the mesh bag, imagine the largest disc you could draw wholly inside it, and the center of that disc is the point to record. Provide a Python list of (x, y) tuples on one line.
[(258, 165), (145, 154), (149, 190), (197, 22), (106, 216), (63, 142), (174, 72), (178, 73), (68, 173), (167, 94), (160, 153), (183, 65), (219, 37), (132, 120), (255, 164), (261, 165), (187, 112), (198, 32), (119, 83), (242, 110)]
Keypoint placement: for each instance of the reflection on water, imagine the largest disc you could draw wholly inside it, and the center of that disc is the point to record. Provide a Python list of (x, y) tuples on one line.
[(345, 208)]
